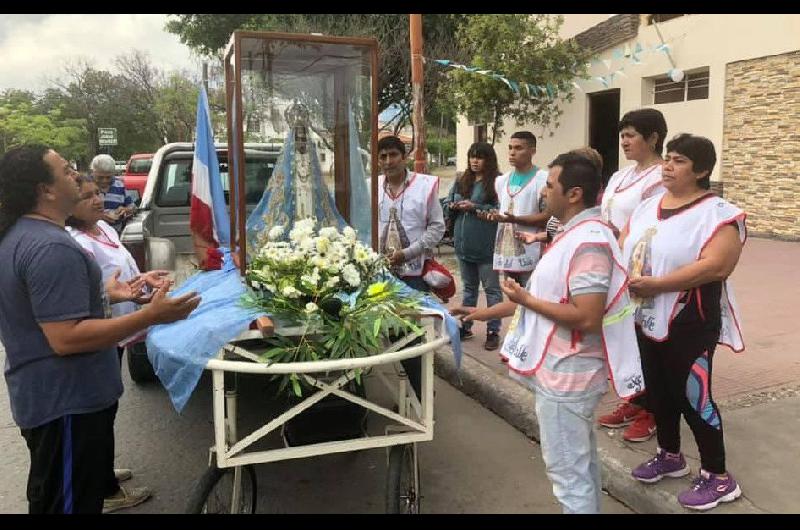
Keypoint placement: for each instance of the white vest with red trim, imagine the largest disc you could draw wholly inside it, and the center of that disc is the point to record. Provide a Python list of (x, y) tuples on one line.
[(412, 208), (510, 254), (657, 247), (530, 333), (625, 191)]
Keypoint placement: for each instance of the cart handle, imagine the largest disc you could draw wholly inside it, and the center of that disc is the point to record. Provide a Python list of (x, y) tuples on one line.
[(325, 366)]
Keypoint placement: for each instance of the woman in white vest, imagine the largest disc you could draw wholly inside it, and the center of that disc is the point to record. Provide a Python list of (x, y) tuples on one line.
[(572, 329), (680, 249), (642, 134)]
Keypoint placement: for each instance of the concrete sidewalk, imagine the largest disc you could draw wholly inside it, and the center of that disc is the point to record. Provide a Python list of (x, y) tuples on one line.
[(758, 392)]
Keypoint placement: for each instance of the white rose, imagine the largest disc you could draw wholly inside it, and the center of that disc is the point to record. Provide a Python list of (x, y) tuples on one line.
[(329, 232), (332, 282), (290, 292), (311, 307), (276, 232), (349, 233)]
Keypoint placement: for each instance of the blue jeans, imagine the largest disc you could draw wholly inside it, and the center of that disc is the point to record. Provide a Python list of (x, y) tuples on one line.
[(569, 450), (473, 274)]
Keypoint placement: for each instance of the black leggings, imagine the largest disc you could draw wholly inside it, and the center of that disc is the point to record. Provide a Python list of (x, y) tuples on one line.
[(677, 376)]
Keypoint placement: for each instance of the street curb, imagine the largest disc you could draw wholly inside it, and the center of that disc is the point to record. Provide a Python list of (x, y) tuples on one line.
[(514, 403)]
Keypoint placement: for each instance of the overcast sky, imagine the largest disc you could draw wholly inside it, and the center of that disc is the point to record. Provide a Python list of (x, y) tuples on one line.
[(35, 47)]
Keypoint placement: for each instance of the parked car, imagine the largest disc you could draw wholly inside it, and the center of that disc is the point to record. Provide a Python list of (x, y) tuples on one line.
[(451, 161), (136, 172), (119, 166), (158, 236)]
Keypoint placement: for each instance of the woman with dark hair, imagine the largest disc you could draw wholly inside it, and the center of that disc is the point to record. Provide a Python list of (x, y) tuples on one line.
[(642, 133), (680, 249), (474, 238)]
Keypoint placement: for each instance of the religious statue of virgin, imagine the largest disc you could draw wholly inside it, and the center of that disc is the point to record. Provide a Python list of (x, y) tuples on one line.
[(296, 189)]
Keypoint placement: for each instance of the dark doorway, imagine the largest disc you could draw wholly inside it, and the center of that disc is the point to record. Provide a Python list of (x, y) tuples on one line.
[(603, 135)]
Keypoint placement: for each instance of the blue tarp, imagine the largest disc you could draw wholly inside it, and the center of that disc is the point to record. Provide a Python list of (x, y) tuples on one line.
[(179, 351)]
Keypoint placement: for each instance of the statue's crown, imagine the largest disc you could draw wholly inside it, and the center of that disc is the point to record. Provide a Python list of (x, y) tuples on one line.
[(296, 114)]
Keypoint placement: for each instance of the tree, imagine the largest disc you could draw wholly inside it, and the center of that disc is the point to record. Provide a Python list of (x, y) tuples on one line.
[(207, 34), (524, 49), (23, 120)]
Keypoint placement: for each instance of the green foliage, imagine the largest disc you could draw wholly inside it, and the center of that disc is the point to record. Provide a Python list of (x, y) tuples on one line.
[(24, 120), (522, 48), (148, 107), (209, 33), (446, 146)]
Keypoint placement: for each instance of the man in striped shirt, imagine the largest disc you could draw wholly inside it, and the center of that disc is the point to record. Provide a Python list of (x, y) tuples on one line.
[(118, 205), (555, 344)]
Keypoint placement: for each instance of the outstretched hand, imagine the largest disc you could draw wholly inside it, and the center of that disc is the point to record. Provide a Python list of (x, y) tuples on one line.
[(155, 278), (514, 291), (118, 291), (164, 309), (467, 313)]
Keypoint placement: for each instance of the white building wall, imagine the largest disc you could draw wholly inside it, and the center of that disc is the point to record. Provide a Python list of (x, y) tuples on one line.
[(695, 41)]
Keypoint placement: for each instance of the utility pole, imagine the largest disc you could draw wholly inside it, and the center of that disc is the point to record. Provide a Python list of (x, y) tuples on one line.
[(205, 75), (418, 99)]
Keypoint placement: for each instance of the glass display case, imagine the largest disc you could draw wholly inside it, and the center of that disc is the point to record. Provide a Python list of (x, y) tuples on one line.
[(315, 97)]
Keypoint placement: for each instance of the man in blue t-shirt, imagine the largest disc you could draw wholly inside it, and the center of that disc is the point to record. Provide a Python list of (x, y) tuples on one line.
[(118, 205), (62, 369)]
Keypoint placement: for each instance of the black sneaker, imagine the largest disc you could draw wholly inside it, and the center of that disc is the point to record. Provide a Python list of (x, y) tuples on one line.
[(465, 334), (492, 341)]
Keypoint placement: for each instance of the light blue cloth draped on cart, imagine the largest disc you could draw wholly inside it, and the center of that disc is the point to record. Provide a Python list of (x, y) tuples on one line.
[(179, 351)]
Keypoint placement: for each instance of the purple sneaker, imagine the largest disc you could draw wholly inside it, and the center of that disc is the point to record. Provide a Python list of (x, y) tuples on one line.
[(708, 490), (660, 466)]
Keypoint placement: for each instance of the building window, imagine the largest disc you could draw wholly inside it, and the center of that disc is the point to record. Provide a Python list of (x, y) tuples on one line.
[(658, 19), (693, 86)]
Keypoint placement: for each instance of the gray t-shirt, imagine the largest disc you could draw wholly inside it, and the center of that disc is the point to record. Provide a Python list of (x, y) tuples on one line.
[(48, 277)]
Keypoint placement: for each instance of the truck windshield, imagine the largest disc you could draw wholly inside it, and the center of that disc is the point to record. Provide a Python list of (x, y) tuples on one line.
[(175, 184)]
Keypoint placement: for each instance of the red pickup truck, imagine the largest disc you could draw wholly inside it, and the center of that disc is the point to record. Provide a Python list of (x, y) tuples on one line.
[(135, 176)]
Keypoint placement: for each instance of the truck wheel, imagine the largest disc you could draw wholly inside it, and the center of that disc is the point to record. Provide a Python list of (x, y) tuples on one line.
[(139, 365)]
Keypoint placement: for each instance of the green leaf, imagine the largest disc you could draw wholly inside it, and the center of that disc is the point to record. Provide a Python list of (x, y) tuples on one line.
[(376, 327), (296, 386), (271, 353)]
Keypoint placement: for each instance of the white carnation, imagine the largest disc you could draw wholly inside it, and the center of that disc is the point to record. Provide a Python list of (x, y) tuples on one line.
[(349, 233), (323, 244), (351, 275)]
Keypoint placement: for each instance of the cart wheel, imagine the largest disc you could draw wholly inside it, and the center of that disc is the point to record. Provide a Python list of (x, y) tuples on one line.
[(213, 492), (402, 481)]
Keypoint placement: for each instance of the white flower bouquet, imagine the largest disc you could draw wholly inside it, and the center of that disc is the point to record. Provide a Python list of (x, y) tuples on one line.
[(337, 289)]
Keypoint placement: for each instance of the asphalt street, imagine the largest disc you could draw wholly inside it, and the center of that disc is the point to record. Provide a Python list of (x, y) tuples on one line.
[(476, 463)]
